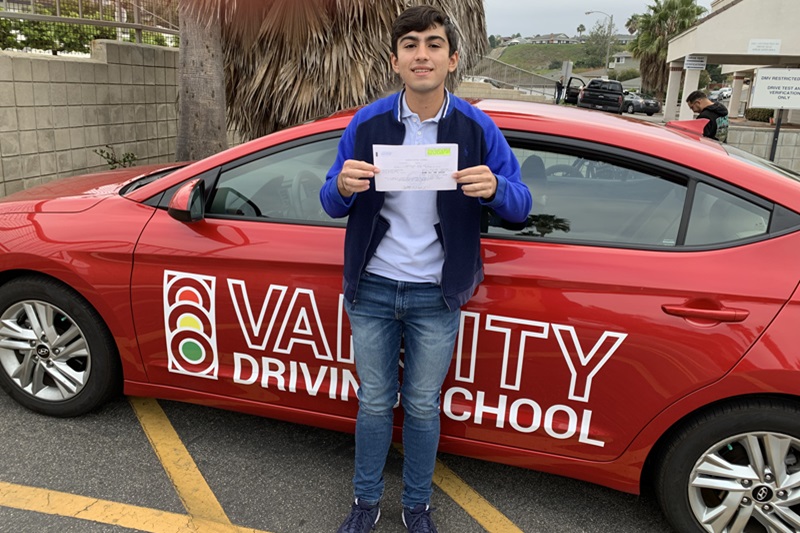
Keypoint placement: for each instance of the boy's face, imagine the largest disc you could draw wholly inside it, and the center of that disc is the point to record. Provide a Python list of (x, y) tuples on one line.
[(423, 60)]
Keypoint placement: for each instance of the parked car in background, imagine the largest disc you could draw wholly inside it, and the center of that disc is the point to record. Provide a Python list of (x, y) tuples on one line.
[(605, 95), (720, 94), (640, 103), (639, 329)]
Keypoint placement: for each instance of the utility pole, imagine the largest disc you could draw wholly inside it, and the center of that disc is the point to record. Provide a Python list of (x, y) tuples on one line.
[(609, 36)]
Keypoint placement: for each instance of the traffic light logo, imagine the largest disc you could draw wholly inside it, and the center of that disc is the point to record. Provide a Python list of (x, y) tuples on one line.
[(190, 324)]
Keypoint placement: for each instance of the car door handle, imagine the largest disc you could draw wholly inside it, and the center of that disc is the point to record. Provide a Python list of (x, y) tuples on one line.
[(718, 315)]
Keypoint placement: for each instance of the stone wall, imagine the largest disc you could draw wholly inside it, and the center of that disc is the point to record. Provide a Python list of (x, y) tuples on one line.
[(56, 110), (472, 89), (758, 141)]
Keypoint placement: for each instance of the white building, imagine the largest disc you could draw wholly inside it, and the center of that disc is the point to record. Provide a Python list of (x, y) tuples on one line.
[(741, 35)]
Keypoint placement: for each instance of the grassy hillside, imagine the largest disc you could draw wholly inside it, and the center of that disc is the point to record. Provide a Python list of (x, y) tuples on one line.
[(533, 57)]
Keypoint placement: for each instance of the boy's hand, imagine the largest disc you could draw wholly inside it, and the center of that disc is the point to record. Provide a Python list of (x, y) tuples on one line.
[(478, 182), (354, 177)]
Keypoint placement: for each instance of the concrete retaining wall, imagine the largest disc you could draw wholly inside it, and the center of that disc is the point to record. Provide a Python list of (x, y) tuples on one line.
[(758, 141), (56, 110)]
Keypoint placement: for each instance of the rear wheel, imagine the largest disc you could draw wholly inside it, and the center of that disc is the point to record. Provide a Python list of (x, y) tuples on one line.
[(56, 355), (734, 469)]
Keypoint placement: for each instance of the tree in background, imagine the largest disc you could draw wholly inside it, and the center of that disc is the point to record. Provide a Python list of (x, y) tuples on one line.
[(492, 41), (624, 75), (597, 43), (290, 61), (664, 20), (41, 35), (202, 127), (581, 28), (715, 74)]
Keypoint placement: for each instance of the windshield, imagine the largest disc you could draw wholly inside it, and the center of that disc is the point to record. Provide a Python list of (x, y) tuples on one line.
[(759, 162), (144, 180)]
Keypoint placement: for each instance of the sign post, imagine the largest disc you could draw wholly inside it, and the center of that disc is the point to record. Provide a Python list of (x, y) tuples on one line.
[(776, 88)]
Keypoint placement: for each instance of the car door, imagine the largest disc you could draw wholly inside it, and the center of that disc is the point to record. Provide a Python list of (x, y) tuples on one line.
[(245, 303), (630, 286)]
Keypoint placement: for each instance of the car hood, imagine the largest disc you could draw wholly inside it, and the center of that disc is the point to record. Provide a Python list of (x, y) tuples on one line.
[(74, 194)]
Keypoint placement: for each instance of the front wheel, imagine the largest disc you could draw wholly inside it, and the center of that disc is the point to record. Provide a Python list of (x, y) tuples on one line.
[(734, 469), (630, 109), (56, 355)]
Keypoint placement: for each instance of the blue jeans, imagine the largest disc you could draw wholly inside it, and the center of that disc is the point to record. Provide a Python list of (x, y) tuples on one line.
[(384, 312)]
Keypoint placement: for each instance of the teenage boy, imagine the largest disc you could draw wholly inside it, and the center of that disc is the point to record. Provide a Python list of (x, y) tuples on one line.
[(412, 258)]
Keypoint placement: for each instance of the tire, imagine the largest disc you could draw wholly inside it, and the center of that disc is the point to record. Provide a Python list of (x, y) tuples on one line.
[(630, 109), (57, 357), (733, 458), (650, 114)]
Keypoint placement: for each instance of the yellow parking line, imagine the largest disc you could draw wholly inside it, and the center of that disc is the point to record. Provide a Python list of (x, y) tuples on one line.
[(107, 512), (192, 489), (486, 514), (473, 503)]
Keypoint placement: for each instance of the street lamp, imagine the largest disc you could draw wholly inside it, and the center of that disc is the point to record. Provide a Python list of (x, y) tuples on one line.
[(610, 26)]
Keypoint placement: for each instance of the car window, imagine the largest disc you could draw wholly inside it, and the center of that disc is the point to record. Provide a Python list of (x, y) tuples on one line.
[(582, 199), (718, 216), (283, 185)]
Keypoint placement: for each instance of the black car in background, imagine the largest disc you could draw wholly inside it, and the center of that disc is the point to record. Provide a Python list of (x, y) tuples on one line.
[(640, 103), (605, 95)]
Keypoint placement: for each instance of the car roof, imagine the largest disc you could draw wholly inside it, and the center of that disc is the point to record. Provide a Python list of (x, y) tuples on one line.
[(565, 122)]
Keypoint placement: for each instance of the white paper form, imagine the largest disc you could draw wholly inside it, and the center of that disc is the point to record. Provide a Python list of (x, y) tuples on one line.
[(423, 167)]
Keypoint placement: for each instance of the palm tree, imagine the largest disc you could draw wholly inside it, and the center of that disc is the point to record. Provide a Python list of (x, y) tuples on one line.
[(289, 61), (664, 20), (544, 224), (581, 29), (202, 129)]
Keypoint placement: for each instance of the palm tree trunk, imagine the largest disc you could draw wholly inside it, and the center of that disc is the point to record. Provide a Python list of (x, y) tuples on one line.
[(202, 128)]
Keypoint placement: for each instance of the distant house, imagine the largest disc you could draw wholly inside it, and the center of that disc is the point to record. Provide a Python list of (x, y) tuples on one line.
[(624, 38), (624, 61), (551, 38)]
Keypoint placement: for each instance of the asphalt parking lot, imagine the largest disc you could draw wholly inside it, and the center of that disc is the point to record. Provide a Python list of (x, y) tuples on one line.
[(142, 465)]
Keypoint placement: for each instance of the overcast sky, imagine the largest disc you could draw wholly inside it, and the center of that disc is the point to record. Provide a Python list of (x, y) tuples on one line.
[(532, 17)]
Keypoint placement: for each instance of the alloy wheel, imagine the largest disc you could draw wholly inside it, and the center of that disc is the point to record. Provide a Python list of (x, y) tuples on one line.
[(748, 483), (43, 351)]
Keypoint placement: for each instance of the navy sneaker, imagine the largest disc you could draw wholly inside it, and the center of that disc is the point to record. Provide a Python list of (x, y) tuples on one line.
[(418, 519), (362, 518)]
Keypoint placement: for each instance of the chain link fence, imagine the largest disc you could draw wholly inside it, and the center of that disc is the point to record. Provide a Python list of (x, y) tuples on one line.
[(69, 26)]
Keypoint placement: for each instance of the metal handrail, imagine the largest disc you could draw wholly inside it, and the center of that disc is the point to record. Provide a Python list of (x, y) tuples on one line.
[(28, 12)]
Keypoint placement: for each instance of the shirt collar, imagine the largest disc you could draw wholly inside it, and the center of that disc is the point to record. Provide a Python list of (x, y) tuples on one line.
[(405, 112)]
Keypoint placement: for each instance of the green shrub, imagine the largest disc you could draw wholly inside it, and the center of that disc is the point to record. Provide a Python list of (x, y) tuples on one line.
[(110, 155), (758, 114)]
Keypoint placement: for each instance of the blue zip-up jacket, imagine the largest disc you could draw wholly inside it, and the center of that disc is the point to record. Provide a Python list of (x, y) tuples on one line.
[(479, 143)]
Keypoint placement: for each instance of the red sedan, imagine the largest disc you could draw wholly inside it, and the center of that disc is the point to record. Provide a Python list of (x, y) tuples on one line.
[(639, 329)]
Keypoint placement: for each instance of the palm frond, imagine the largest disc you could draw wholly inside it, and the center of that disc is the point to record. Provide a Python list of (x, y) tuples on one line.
[(289, 61)]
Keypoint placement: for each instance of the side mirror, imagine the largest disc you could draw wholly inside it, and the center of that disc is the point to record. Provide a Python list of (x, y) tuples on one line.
[(187, 204), (626, 93)]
